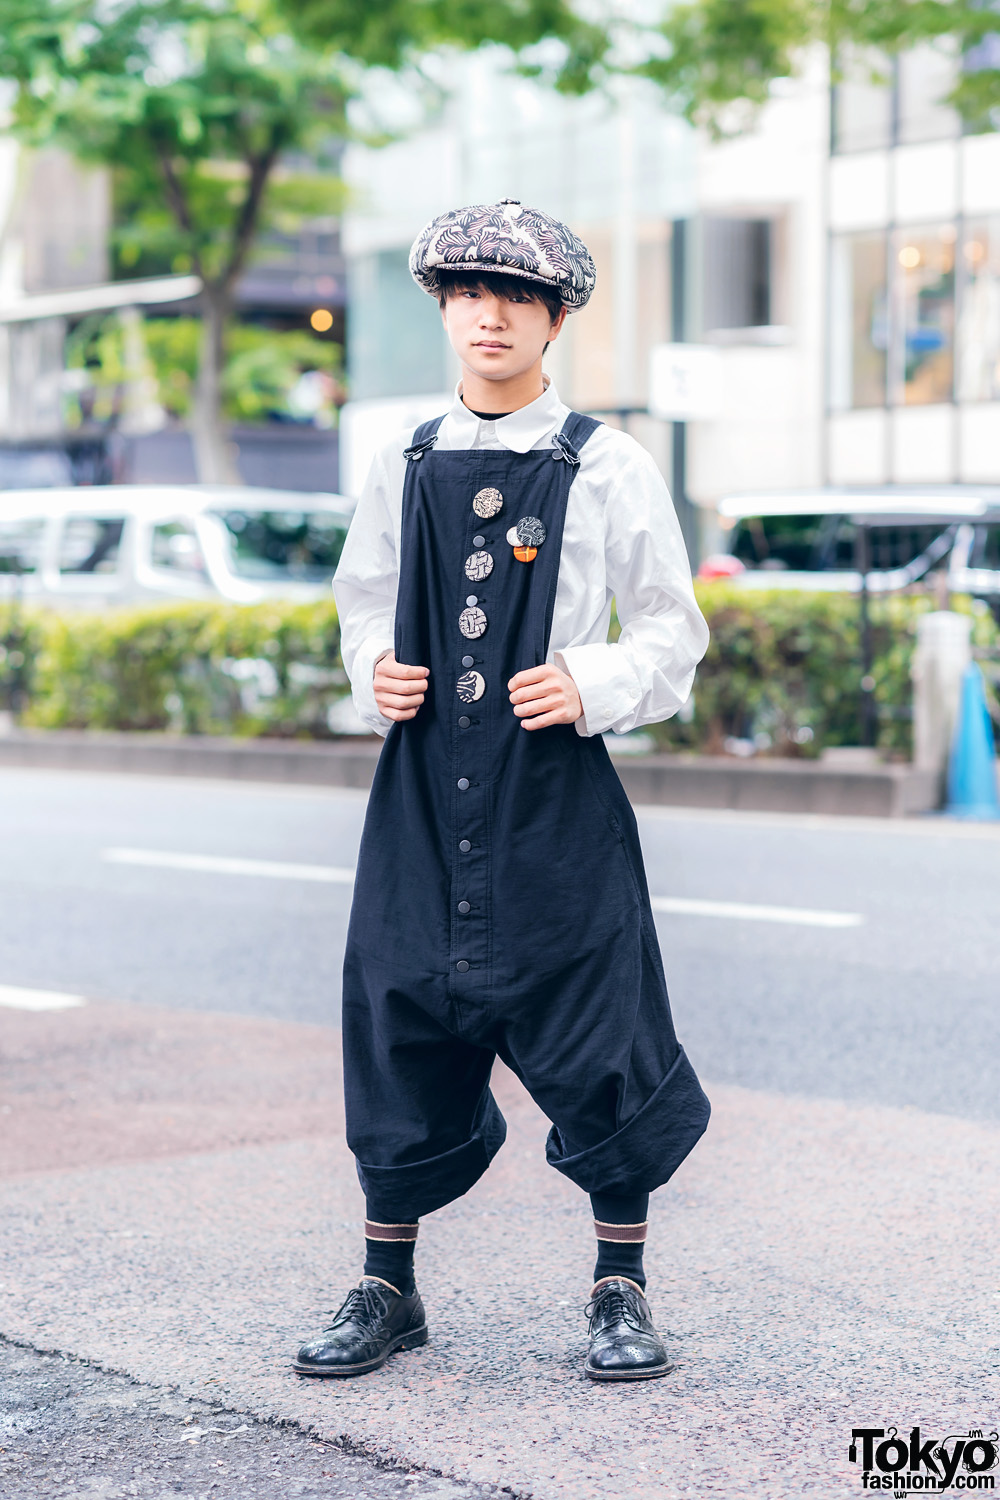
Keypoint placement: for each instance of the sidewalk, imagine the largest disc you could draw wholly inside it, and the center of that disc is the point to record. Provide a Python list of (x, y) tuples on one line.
[(178, 1204)]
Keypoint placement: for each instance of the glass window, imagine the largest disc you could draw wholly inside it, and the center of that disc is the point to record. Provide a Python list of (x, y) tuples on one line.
[(979, 312), (21, 545), (284, 544), (924, 267), (985, 551), (859, 333), (90, 544), (828, 543), (175, 546), (863, 103), (926, 75), (736, 265)]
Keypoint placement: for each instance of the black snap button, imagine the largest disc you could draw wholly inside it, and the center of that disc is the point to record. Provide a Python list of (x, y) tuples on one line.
[(462, 966), (468, 661), (464, 722), (463, 783), (464, 907), (464, 845)]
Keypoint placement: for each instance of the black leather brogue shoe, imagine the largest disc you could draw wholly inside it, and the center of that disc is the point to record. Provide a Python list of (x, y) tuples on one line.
[(374, 1322), (624, 1345)]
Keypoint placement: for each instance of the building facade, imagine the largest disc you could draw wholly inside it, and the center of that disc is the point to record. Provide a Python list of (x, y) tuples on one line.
[(842, 258)]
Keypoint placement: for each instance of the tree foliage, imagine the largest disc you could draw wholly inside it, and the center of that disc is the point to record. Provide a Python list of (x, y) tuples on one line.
[(713, 54)]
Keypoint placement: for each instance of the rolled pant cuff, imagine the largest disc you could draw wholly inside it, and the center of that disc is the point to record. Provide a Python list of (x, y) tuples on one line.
[(404, 1194), (649, 1148)]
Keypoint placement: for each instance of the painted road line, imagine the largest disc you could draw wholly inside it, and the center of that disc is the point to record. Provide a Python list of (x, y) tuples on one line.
[(798, 916), (17, 999), (211, 864)]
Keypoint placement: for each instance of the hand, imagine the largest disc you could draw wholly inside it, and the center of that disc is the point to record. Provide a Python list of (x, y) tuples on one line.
[(543, 695), (399, 690)]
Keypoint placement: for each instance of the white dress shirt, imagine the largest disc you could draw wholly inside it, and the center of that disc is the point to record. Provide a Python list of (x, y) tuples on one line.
[(621, 541)]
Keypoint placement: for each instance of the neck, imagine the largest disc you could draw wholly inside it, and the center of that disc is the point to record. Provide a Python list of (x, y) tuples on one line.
[(505, 396)]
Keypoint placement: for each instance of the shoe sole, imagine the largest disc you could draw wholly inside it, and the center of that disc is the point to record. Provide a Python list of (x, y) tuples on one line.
[(653, 1372), (410, 1340)]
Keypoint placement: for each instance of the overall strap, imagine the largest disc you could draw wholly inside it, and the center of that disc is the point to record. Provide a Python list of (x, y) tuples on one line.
[(575, 431), (424, 438)]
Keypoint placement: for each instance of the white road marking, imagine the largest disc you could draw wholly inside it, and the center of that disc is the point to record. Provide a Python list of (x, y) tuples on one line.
[(211, 864), (340, 875), (17, 999), (742, 911)]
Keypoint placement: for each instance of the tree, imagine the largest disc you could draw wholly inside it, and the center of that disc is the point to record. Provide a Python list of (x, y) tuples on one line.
[(200, 106), (716, 53)]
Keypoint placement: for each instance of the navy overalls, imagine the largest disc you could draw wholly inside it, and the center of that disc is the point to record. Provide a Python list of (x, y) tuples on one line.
[(500, 906)]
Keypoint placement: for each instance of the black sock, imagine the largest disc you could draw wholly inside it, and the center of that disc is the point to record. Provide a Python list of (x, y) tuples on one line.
[(620, 1222), (389, 1254)]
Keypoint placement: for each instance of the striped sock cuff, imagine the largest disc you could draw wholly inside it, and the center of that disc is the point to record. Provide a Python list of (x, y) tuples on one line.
[(406, 1233), (621, 1234)]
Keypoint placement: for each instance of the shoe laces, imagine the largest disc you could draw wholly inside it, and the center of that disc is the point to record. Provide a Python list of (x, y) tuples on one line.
[(364, 1305), (615, 1304)]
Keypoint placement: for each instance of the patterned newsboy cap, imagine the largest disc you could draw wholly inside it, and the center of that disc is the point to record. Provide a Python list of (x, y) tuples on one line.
[(509, 238)]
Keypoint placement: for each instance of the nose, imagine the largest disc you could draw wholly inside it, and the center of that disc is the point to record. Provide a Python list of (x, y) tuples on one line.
[(491, 313)]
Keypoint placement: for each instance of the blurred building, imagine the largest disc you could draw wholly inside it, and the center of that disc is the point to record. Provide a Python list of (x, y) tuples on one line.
[(842, 259)]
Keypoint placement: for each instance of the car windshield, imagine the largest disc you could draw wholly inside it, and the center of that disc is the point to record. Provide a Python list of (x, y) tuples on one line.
[(283, 544), (823, 543)]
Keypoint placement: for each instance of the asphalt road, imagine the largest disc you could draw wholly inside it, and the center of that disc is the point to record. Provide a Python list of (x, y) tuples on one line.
[(899, 1009)]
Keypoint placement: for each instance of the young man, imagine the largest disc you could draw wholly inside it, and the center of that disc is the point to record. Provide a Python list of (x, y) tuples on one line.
[(500, 907)]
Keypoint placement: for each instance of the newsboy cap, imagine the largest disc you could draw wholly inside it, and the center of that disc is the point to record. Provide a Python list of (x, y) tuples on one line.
[(508, 238)]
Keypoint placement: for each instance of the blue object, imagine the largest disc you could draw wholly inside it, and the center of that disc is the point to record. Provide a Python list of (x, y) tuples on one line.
[(972, 769)]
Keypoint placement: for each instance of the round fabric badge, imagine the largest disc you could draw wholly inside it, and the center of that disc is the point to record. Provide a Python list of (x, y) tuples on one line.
[(478, 566), (512, 536), (530, 531), (471, 687), (525, 554), (472, 624), (487, 503)]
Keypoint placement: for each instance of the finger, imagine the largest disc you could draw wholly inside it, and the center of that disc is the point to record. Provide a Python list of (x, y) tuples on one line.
[(547, 684), (398, 714), (531, 674), (406, 687), (541, 706), (396, 700), (543, 721), (399, 670)]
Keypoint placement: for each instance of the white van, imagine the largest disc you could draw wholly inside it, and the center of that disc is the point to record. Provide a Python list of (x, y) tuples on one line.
[(810, 541), (80, 548)]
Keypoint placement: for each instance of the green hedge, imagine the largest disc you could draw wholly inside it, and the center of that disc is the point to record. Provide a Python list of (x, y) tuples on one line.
[(197, 668), (783, 669)]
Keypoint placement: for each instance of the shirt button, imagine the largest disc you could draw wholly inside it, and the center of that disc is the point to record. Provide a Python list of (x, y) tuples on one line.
[(463, 783), (464, 907), (464, 845), (464, 722), (472, 599), (468, 661), (462, 966), (479, 541)]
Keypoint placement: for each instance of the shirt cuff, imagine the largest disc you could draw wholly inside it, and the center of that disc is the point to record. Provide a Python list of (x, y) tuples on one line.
[(363, 687), (606, 684)]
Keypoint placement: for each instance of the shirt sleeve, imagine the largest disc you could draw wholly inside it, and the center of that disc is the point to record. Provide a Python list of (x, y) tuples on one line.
[(365, 590), (646, 675)]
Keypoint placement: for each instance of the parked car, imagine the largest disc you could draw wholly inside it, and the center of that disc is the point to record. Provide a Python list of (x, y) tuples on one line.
[(810, 541), (124, 544)]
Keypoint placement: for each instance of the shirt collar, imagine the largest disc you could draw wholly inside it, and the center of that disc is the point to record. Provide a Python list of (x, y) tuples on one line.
[(521, 430)]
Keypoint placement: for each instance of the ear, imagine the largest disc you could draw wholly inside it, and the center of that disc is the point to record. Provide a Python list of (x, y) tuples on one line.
[(557, 324)]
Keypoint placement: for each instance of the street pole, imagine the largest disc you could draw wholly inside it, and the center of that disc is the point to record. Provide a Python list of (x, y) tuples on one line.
[(678, 334), (868, 726)]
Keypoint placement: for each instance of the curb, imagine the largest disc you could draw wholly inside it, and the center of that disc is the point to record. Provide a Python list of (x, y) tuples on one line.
[(881, 791)]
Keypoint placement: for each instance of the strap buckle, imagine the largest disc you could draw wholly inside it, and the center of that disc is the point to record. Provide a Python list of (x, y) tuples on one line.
[(419, 449), (564, 449)]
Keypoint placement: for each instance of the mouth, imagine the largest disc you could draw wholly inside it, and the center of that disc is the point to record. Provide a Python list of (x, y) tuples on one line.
[(490, 344)]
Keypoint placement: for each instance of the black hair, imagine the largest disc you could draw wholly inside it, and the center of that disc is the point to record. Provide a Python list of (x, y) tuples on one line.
[(500, 284)]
